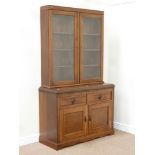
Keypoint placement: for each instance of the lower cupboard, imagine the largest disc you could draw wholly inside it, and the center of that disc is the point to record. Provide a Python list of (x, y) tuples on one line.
[(75, 114)]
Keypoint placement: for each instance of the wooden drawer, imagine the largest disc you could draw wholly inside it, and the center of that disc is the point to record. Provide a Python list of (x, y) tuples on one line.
[(72, 99), (99, 95)]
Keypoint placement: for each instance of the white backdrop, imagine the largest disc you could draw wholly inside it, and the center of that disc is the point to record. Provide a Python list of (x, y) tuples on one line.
[(120, 32)]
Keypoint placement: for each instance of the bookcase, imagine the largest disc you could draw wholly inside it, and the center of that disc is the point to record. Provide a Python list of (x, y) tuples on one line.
[(75, 104)]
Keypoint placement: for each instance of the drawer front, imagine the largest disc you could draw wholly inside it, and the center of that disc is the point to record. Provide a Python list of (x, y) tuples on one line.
[(72, 99), (100, 95)]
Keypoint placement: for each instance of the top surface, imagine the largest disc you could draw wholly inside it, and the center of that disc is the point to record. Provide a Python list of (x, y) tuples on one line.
[(77, 88), (54, 7)]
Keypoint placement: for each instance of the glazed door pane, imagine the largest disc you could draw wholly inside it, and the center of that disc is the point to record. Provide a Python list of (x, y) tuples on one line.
[(63, 47), (91, 47)]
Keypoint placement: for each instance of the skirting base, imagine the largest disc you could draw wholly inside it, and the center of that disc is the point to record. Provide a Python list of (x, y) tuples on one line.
[(58, 146)]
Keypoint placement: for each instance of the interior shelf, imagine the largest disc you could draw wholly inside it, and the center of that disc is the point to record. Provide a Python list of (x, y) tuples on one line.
[(91, 34), (92, 50), (63, 33), (95, 65), (66, 66), (63, 50)]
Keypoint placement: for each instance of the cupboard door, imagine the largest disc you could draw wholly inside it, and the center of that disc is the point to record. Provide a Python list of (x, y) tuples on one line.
[(100, 117), (72, 122), (64, 56), (91, 42)]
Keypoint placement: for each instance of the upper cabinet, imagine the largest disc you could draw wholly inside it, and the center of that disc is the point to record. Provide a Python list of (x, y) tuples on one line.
[(71, 46)]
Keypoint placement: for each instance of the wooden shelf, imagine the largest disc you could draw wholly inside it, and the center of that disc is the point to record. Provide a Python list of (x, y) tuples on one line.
[(62, 33), (91, 34), (67, 66), (63, 50), (91, 50), (95, 65)]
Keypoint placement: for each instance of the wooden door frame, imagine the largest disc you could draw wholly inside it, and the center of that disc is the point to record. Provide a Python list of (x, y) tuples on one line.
[(82, 15), (50, 53)]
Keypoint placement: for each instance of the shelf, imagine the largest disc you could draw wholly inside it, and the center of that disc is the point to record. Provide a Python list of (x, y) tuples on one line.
[(63, 33), (91, 50), (67, 66), (91, 34), (95, 65), (62, 50)]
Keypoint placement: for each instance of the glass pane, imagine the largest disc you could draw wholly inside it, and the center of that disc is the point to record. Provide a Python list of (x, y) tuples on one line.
[(91, 47), (91, 71), (61, 41), (63, 23), (91, 57), (63, 58), (91, 25), (63, 47), (91, 42), (63, 73)]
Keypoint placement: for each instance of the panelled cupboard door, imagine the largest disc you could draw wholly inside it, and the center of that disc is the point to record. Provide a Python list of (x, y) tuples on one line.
[(63, 47), (100, 117), (91, 47), (72, 122)]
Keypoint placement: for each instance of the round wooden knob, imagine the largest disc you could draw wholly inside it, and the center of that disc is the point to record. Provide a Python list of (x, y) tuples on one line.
[(73, 100), (99, 97)]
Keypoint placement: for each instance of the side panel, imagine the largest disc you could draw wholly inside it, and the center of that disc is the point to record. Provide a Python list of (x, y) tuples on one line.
[(44, 48), (48, 116)]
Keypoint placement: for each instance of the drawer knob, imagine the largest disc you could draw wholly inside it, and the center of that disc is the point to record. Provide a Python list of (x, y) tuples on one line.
[(72, 100), (99, 97)]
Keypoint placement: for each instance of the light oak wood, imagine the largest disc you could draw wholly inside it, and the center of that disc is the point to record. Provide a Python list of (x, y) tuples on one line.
[(72, 99), (100, 117), (47, 44), (83, 119), (72, 122), (79, 108), (100, 95), (52, 7)]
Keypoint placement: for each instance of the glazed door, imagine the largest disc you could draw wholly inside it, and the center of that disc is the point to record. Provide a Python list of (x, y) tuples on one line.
[(100, 117), (63, 48), (72, 122), (91, 48)]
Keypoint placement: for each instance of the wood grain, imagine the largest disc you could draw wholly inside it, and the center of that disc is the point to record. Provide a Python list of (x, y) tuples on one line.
[(52, 7), (78, 110), (48, 116), (44, 48), (64, 123), (47, 71)]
